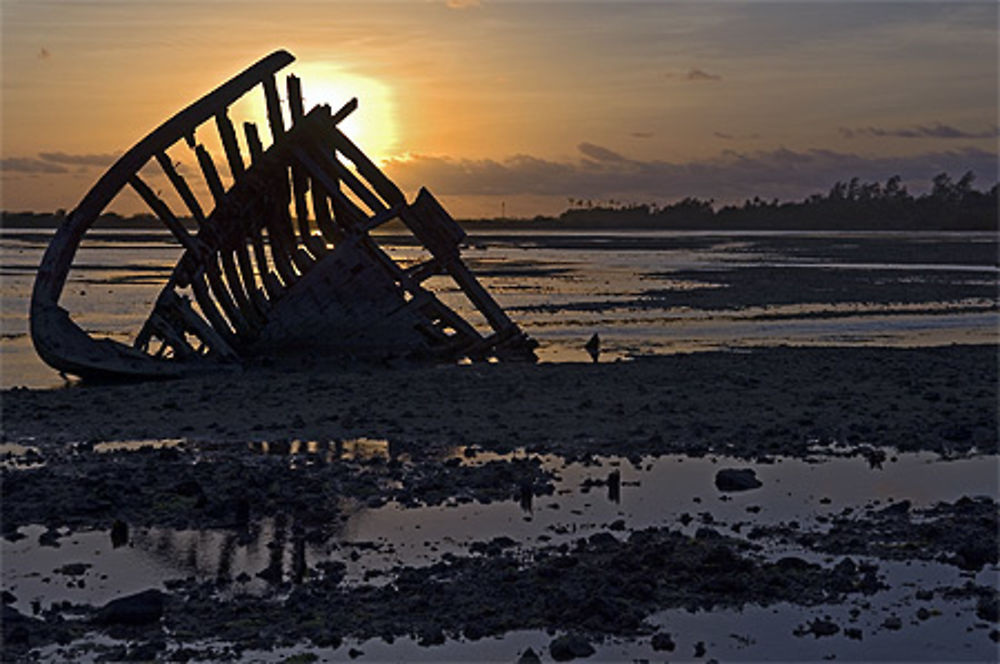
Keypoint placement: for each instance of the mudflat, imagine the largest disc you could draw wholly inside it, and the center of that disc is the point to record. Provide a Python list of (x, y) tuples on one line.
[(306, 448)]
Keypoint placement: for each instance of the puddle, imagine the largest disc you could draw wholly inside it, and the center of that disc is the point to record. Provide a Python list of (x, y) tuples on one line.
[(17, 456), (136, 445), (674, 491), (353, 449)]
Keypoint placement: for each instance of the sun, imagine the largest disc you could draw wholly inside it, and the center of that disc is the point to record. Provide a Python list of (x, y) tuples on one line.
[(372, 126)]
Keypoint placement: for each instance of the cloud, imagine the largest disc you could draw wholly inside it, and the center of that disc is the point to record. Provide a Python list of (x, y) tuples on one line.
[(29, 165), (463, 4), (729, 176), (936, 130), (599, 153), (700, 75), (97, 160), (641, 134), (44, 53), (734, 137)]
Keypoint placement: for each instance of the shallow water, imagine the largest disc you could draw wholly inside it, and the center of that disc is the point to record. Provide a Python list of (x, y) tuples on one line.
[(654, 492), (114, 281)]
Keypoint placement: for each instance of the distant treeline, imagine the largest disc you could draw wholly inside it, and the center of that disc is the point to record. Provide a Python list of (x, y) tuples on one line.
[(851, 205)]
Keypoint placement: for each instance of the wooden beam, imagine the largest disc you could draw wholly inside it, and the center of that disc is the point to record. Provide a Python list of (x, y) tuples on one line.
[(211, 174), (228, 135), (211, 311), (235, 286), (225, 299), (161, 210), (274, 117), (181, 185), (253, 142)]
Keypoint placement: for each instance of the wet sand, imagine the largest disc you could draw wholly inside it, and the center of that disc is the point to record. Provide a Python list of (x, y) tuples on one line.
[(745, 403)]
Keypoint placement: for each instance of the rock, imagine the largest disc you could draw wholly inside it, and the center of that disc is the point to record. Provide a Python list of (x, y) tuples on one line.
[(119, 533), (73, 569), (988, 608), (892, 622), (823, 627), (737, 479), (570, 646), (663, 641), (431, 637), (138, 609), (699, 649), (529, 657)]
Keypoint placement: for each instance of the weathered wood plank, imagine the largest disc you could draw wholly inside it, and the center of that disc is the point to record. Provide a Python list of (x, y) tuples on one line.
[(181, 185), (211, 311), (161, 210), (253, 142), (228, 135), (225, 298), (211, 174), (181, 307), (315, 245), (249, 278), (274, 117), (235, 286)]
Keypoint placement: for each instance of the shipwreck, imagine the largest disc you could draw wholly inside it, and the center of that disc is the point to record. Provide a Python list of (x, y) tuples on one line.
[(283, 261)]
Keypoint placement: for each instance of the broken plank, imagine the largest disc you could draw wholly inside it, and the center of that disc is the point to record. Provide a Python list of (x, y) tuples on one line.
[(181, 185), (228, 135), (161, 210), (211, 174), (274, 117)]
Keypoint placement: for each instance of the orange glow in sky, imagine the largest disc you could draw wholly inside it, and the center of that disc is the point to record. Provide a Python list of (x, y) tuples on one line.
[(527, 104)]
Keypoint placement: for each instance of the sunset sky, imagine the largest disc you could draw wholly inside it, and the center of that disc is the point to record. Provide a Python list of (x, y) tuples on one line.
[(529, 103)]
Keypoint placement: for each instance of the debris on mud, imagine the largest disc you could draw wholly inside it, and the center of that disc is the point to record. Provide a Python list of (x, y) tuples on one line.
[(963, 533)]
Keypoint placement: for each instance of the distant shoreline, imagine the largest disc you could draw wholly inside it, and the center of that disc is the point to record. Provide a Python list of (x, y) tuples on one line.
[(43, 222)]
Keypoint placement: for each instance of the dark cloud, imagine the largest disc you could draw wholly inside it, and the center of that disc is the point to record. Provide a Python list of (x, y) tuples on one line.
[(734, 137), (731, 175), (29, 165), (700, 75), (44, 54), (936, 130), (641, 134), (98, 160), (599, 153)]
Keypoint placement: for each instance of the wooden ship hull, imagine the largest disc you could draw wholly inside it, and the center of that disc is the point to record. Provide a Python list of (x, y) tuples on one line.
[(284, 261)]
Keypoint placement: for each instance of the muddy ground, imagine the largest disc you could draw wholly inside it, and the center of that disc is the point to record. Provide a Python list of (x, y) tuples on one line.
[(269, 442)]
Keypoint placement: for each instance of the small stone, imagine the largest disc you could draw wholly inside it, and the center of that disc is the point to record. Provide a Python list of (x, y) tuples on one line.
[(823, 627), (570, 646), (119, 533), (699, 649), (663, 641), (737, 479), (529, 657), (138, 609), (892, 622), (923, 613)]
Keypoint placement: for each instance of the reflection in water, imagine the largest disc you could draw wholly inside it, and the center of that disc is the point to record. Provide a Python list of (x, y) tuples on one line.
[(353, 449), (610, 270)]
